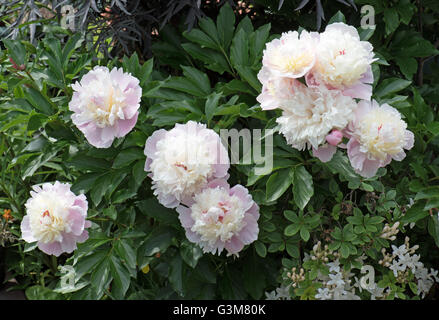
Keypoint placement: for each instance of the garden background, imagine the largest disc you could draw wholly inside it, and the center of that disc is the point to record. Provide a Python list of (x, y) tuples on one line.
[(198, 60)]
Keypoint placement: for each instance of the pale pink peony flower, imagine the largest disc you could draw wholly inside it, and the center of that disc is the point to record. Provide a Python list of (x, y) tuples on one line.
[(343, 62), (325, 152), (183, 160), (55, 217), (221, 217), (275, 90), (105, 105), (377, 135), (291, 56)]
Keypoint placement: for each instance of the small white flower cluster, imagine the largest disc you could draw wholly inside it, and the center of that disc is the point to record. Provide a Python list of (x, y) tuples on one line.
[(343, 284), (403, 259), (281, 293), (337, 285)]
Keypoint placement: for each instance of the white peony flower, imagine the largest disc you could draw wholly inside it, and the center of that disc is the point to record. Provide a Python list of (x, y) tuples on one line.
[(312, 113), (292, 55), (183, 160), (342, 58)]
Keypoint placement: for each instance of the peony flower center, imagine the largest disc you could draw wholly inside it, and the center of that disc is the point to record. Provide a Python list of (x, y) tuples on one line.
[(217, 215), (105, 111), (48, 217), (291, 63), (382, 133)]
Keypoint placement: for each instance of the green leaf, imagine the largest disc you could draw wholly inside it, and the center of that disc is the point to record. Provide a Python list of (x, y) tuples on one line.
[(344, 250), (121, 278), (100, 276), (390, 86), (159, 240), (225, 25), (126, 253), (338, 17), (184, 85), (176, 274), (59, 130), (434, 228), (292, 229), (72, 44), (139, 173), (41, 293), (212, 104), (239, 49), (304, 233), (292, 216), (366, 187), (406, 9), (340, 164), (146, 71), (84, 162), (261, 249), (246, 73), (293, 250), (245, 25), (198, 36), (198, 78), (366, 34), (36, 121), (213, 60), (257, 43), (278, 183), (208, 26), (303, 188), (30, 246), (127, 156), (100, 187), (190, 253), (110, 212), (408, 66), (152, 208), (38, 101), (84, 183), (254, 275), (415, 213), (433, 128), (427, 193), (391, 19), (16, 50), (87, 264)]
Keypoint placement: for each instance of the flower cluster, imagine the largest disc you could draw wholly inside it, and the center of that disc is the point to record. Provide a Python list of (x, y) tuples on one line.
[(336, 66), (334, 281), (281, 293), (189, 166), (404, 260)]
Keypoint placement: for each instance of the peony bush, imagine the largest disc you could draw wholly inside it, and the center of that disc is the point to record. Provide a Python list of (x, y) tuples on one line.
[(121, 180)]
